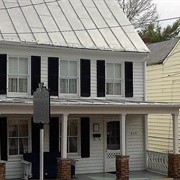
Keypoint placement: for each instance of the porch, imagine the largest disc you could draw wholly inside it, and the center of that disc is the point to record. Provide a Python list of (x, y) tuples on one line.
[(134, 175)]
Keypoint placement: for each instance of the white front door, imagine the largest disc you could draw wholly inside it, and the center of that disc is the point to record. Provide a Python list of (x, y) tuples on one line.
[(112, 144)]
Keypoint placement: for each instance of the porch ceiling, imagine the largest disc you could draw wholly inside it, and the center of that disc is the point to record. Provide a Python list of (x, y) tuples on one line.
[(13, 106)]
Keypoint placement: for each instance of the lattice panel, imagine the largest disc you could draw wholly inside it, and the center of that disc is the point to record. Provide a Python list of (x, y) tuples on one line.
[(112, 155)]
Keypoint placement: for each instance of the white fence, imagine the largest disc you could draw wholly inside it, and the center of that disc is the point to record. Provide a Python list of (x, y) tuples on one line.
[(157, 162)]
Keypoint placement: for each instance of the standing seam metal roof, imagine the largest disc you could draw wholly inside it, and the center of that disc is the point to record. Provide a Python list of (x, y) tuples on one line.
[(90, 24)]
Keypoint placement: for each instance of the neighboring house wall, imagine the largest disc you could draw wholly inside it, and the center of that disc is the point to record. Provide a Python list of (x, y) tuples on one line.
[(163, 85)]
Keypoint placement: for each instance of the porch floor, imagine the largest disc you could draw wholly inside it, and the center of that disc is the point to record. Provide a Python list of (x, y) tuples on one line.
[(136, 175)]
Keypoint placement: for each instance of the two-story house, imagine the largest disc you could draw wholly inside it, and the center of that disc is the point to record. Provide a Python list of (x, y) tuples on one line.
[(93, 62)]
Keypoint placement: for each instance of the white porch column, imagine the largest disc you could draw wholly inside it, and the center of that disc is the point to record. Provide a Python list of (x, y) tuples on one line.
[(175, 133), (123, 134), (64, 136), (146, 131)]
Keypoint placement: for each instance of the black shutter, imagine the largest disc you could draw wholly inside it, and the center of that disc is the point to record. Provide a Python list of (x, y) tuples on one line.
[(35, 72), (128, 79), (3, 138), (85, 78), (100, 78), (35, 136), (53, 75), (54, 134), (3, 73), (85, 137)]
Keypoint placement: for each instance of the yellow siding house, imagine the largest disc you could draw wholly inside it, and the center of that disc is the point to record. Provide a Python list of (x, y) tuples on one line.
[(163, 85)]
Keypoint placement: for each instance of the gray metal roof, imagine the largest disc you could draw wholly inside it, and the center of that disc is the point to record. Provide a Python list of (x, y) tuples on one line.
[(160, 51), (89, 24)]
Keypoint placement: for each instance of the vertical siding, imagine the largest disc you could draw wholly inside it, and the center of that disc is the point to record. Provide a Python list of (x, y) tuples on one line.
[(163, 84), (138, 81), (135, 142), (44, 70)]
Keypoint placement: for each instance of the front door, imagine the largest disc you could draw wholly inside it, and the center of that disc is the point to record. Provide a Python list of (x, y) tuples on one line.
[(112, 144)]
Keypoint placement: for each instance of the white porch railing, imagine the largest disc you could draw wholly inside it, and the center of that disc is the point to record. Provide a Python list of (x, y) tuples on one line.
[(157, 162)]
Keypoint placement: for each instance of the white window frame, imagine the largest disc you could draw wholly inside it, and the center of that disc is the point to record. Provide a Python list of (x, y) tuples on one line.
[(69, 95), (19, 94), (28, 137), (71, 154), (122, 80)]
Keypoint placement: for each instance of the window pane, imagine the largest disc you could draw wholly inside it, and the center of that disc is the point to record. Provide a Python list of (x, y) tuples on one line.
[(113, 135), (63, 68), (117, 87), (23, 145), (73, 128), (72, 86), (73, 68), (13, 65), (63, 85), (23, 66), (13, 146), (13, 130), (109, 87), (23, 129), (118, 71), (73, 144), (12, 84), (110, 70), (23, 85)]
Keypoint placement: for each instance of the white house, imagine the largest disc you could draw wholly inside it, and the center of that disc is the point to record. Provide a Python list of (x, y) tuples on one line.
[(93, 62)]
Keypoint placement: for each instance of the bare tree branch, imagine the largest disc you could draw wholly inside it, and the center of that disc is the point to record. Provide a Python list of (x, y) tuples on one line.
[(139, 12)]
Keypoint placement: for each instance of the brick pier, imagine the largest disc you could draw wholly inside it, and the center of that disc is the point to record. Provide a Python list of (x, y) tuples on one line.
[(63, 169), (174, 166), (122, 167)]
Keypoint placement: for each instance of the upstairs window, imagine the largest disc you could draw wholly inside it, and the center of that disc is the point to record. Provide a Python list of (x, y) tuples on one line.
[(18, 75), (68, 77), (113, 79)]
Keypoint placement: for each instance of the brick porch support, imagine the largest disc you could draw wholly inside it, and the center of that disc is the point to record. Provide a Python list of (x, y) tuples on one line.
[(63, 169), (2, 170), (122, 167), (174, 166)]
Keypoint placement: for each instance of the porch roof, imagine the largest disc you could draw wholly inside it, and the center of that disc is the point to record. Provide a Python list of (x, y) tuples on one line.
[(89, 106)]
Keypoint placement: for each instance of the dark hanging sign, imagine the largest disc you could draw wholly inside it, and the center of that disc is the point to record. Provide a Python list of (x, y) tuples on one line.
[(41, 105)]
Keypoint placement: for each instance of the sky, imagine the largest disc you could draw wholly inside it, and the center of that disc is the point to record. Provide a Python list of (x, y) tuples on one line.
[(167, 9)]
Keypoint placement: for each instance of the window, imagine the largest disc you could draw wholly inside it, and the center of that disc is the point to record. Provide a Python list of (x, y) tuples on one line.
[(18, 135), (68, 77), (113, 79), (72, 136), (113, 135), (18, 75)]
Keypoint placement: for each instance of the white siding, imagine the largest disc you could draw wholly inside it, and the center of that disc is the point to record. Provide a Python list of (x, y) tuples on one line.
[(138, 80), (44, 70), (14, 168), (93, 79), (95, 163), (135, 142)]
